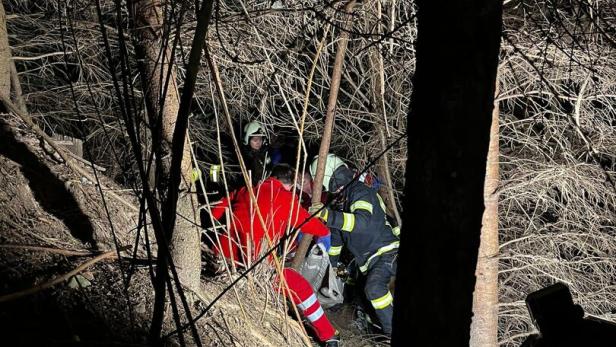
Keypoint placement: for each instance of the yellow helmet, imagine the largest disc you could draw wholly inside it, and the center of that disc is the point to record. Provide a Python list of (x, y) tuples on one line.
[(331, 164), (253, 129)]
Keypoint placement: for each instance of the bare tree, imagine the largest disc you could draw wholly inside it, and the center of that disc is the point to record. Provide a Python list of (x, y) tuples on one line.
[(449, 127), (5, 56), (159, 78), (329, 124), (484, 328)]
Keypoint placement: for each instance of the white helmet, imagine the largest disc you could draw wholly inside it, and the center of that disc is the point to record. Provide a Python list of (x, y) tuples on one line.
[(331, 164), (253, 129)]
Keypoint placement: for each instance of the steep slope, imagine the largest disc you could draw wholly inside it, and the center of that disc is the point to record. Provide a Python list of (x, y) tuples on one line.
[(61, 282)]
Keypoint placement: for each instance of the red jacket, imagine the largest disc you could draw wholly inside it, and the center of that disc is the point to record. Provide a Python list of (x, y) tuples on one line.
[(274, 203)]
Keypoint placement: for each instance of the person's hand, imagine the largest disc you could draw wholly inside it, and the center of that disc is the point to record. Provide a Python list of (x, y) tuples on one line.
[(195, 175), (342, 272), (319, 209)]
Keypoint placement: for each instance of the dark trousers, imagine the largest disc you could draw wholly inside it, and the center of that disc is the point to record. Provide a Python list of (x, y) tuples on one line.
[(379, 273)]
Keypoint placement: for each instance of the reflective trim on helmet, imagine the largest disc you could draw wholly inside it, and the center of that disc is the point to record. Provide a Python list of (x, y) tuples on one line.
[(348, 221), (361, 205), (251, 129), (335, 250), (308, 302), (382, 302)]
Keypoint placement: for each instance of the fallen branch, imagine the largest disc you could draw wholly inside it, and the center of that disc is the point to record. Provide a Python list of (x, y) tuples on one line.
[(48, 249), (87, 162), (59, 279), (61, 151)]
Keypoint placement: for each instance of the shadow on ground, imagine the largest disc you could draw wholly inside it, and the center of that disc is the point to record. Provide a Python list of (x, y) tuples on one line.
[(47, 189)]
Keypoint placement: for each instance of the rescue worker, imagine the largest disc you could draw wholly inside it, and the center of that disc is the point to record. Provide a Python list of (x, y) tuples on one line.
[(256, 152), (274, 199), (360, 224)]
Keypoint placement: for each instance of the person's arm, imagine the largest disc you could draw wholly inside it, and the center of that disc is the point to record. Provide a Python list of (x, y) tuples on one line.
[(313, 226), (218, 210), (390, 221), (355, 220), (336, 247)]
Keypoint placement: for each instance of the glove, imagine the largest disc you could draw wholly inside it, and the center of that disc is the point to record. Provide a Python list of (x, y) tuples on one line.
[(326, 241), (195, 175), (319, 209), (342, 272)]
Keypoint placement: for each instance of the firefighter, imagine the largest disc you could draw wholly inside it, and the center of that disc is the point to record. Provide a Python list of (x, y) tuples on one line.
[(274, 199), (360, 225), (256, 152)]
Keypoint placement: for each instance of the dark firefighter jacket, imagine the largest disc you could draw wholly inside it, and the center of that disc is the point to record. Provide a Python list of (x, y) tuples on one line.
[(257, 162), (359, 223)]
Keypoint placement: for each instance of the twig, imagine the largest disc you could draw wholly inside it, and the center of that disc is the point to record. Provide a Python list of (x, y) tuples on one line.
[(87, 162), (39, 56), (59, 279), (48, 249)]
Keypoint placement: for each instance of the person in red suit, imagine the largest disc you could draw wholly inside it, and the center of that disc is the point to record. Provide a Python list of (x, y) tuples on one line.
[(279, 208)]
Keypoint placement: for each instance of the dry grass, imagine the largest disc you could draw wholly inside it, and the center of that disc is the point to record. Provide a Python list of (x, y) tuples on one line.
[(557, 205), (557, 82)]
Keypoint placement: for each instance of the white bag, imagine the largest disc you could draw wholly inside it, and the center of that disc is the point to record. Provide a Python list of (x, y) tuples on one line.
[(318, 272)]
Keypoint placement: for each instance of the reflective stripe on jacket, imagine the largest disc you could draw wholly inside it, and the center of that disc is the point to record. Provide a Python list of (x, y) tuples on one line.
[(361, 225)]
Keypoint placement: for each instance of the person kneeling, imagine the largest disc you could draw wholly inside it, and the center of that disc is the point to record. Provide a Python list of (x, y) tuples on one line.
[(278, 206)]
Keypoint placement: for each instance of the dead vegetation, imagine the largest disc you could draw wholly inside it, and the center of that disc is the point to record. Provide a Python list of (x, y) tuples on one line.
[(557, 97), (557, 216), (40, 253)]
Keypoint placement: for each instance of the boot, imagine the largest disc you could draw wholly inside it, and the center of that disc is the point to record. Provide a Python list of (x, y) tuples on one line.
[(333, 342)]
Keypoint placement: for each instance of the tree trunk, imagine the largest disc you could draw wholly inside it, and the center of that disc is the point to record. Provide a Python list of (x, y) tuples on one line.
[(5, 57), (162, 104), (302, 248), (16, 85), (378, 100), (448, 135), (484, 328)]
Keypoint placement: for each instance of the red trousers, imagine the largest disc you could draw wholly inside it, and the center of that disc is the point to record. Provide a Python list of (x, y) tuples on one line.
[(302, 296), (301, 293)]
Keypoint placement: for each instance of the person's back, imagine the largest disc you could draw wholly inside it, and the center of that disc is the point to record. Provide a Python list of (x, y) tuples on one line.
[(274, 205), (278, 206), (371, 231)]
